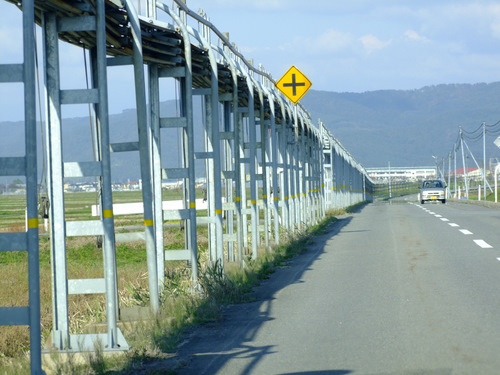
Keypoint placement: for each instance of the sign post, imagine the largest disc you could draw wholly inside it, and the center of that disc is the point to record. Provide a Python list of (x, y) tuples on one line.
[(294, 84)]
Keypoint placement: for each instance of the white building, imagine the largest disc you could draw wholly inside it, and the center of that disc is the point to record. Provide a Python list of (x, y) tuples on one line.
[(402, 173)]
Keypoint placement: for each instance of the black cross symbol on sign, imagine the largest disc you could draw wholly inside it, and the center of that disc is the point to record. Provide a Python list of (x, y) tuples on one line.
[(294, 84)]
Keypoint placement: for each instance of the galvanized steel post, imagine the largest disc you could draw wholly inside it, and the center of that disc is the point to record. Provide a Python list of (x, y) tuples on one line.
[(31, 186), (60, 332), (145, 157), (252, 166)]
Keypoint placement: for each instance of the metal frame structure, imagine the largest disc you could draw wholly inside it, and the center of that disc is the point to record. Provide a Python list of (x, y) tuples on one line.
[(26, 166), (269, 170), (59, 170)]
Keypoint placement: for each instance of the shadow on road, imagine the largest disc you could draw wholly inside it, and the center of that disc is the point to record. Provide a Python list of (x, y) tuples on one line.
[(208, 348)]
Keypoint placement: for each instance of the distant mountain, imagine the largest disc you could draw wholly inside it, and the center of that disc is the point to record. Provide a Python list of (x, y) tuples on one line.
[(77, 142), (403, 127), (407, 127)]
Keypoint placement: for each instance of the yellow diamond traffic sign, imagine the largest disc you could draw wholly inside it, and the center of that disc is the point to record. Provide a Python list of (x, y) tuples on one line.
[(293, 84)]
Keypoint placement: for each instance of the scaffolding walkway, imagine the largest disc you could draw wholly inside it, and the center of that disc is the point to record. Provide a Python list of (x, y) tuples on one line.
[(269, 169)]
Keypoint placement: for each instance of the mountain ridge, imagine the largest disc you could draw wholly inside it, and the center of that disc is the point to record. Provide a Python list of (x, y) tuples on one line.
[(406, 127), (403, 127)]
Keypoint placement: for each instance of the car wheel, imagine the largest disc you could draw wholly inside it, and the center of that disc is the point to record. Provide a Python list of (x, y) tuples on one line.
[(422, 202), (444, 201)]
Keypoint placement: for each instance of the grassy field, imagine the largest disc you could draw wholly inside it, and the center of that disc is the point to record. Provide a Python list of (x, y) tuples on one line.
[(151, 340), (78, 206), (84, 259)]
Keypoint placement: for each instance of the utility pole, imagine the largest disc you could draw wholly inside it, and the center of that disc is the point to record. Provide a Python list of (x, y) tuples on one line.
[(455, 166), (484, 160), (390, 189), (463, 163), (449, 175)]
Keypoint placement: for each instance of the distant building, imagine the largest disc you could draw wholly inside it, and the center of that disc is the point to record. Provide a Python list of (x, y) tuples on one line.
[(172, 184), (471, 172), (401, 173), (133, 185)]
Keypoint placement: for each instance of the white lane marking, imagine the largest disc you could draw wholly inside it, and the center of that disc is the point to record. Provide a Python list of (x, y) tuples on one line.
[(483, 244)]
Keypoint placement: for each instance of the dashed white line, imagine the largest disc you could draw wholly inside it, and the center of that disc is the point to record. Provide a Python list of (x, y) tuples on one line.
[(483, 244)]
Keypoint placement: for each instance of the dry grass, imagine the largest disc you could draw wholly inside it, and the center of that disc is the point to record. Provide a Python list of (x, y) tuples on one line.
[(14, 340), (84, 261), (87, 311)]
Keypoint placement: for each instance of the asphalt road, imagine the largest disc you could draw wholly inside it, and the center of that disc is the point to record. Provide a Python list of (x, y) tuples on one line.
[(393, 289)]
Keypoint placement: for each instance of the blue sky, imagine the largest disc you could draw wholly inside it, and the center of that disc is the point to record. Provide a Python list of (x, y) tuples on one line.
[(341, 46)]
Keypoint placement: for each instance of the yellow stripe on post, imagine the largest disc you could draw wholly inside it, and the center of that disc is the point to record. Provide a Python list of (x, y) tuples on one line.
[(148, 223), (218, 212), (237, 199), (107, 213), (33, 223), (264, 196), (253, 202), (192, 204), (276, 198)]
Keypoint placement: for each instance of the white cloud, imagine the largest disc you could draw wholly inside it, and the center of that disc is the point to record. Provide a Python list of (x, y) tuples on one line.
[(414, 36), (331, 41), (372, 43), (474, 23), (495, 22)]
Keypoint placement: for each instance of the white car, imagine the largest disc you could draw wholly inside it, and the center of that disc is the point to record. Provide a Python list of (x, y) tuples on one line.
[(432, 190)]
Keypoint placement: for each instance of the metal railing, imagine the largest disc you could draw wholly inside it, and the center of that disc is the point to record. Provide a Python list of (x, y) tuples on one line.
[(267, 166)]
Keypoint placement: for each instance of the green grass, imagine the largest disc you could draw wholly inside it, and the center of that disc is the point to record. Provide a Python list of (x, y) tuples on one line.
[(78, 206), (151, 340), (381, 191)]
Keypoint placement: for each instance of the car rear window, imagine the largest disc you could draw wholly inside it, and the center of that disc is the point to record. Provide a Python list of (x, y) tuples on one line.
[(432, 184)]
